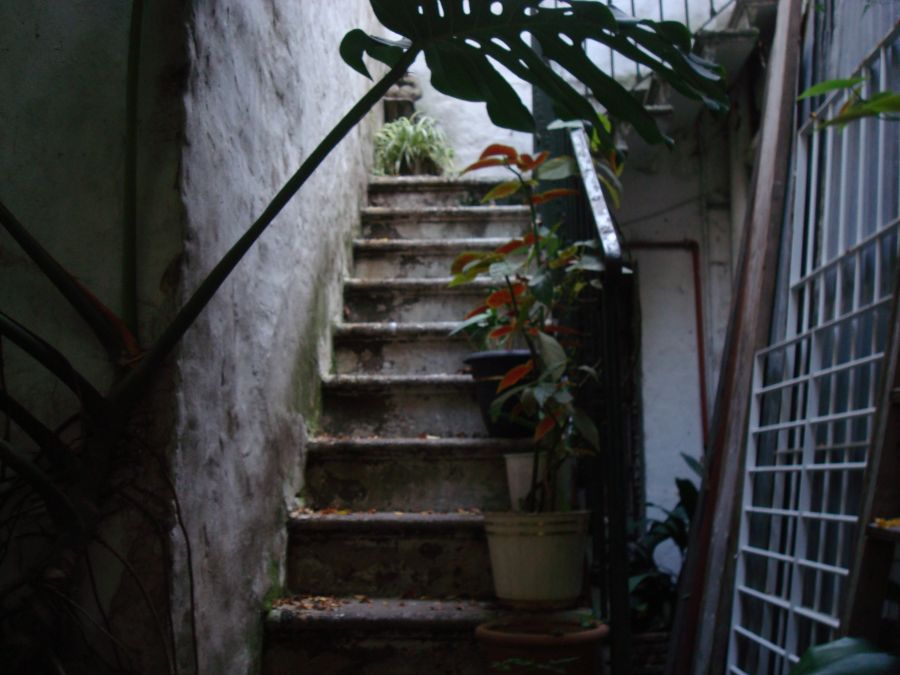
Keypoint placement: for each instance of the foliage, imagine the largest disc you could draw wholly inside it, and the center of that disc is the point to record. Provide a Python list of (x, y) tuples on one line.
[(541, 282), (883, 105), (412, 146), (652, 589), (846, 656), (57, 483)]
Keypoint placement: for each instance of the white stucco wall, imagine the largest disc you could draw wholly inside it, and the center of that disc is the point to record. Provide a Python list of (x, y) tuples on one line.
[(678, 197), (266, 84)]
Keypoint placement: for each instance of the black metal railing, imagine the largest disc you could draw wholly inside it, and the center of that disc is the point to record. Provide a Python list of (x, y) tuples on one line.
[(608, 477)]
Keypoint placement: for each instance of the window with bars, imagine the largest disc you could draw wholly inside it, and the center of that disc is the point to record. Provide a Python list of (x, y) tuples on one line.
[(814, 386)]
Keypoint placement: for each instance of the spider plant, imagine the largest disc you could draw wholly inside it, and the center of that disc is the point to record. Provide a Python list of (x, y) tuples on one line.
[(412, 146)]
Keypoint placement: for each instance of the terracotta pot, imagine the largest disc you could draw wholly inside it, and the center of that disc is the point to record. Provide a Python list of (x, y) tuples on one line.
[(542, 643)]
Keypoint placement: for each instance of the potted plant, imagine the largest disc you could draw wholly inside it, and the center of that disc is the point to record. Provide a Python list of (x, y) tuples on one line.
[(537, 554), (412, 146)]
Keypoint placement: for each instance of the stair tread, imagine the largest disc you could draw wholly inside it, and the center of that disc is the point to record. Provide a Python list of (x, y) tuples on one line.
[(384, 245), (378, 380), (379, 182), (444, 211), (432, 444), (377, 614), (437, 283), (385, 521), (396, 329)]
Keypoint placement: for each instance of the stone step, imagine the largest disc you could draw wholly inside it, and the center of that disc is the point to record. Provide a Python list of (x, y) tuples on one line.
[(410, 300), (349, 636), (400, 406), (441, 222), (397, 554), (399, 348), (413, 258), (413, 474), (416, 191)]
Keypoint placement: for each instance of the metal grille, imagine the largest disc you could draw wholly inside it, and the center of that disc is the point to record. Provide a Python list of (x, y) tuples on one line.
[(814, 390)]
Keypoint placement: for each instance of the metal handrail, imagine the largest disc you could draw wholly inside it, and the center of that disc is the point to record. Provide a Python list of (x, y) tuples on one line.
[(610, 242)]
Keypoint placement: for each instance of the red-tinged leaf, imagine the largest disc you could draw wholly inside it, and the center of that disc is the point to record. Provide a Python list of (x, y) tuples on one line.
[(519, 288), (499, 298), (496, 149), (529, 163), (502, 190), (477, 311), (510, 246), (552, 194), (544, 427), (515, 375), (485, 163), (500, 332), (530, 239), (463, 259)]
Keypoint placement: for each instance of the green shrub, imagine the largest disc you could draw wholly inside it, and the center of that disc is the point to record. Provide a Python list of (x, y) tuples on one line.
[(410, 146)]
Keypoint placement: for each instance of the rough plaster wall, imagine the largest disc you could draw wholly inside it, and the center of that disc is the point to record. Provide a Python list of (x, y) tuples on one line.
[(266, 84)]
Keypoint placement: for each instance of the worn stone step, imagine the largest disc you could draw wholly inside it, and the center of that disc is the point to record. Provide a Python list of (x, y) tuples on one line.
[(413, 258), (374, 637), (410, 300), (416, 191), (399, 348), (391, 554), (390, 474), (441, 222), (400, 406)]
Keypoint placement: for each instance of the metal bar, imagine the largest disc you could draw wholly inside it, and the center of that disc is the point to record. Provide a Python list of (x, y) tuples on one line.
[(822, 326), (609, 239)]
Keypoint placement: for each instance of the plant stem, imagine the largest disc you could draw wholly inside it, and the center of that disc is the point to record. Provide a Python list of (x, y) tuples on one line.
[(132, 386)]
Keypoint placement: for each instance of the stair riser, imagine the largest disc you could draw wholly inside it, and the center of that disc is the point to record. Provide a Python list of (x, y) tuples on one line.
[(393, 564), (400, 198), (339, 652), (402, 412), (409, 305), (403, 265), (407, 357), (414, 482), (409, 228)]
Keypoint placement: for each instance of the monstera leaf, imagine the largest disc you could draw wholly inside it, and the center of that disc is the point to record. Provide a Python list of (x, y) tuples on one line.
[(461, 40)]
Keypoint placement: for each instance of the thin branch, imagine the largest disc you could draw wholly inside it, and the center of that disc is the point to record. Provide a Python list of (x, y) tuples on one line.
[(86, 306), (52, 360), (48, 441)]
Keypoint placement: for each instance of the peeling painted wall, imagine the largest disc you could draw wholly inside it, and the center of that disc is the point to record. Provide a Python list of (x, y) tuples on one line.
[(266, 84)]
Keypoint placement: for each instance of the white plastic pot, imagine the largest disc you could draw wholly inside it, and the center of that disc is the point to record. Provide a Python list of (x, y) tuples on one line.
[(537, 559), (518, 478)]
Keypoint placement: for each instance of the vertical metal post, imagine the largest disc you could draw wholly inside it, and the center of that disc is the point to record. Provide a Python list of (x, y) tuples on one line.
[(616, 475)]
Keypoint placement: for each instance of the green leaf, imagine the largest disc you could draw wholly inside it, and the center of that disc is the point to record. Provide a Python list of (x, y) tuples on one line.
[(357, 42), (557, 168), (586, 428), (472, 321), (693, 463), (846, 656), (463, 39), (553, 356), (830, 85), (502, 190)]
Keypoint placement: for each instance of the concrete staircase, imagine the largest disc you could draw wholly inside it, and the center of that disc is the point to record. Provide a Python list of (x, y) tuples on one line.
[(389, 563)]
